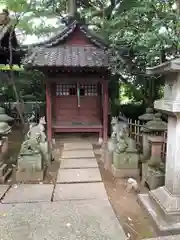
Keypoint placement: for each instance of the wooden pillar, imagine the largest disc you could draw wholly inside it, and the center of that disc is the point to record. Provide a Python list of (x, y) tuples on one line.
[(49, 112), (105, 110)]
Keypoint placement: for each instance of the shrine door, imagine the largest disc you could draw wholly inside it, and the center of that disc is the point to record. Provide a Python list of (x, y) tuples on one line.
[(78, 103)]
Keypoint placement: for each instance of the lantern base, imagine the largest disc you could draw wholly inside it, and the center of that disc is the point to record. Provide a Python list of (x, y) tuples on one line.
[(161, 207)]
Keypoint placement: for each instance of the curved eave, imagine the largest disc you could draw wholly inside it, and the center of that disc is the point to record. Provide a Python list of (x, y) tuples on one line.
[(164, 68)]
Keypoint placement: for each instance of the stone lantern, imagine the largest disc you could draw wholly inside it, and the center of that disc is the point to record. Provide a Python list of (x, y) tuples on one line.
[(147, 116), (151, 128), (166, 200), (5, 129), (4, 117)]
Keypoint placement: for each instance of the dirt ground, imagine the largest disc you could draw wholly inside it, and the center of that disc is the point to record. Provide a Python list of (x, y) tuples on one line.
[(133, 219), (131, 216)]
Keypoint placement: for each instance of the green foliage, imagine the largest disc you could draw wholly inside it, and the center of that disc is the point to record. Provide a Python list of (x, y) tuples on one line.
[(146, 30), (27, 83), (133, 110)]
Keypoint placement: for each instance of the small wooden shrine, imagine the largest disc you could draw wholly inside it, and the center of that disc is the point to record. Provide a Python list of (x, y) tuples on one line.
[(75, 64)]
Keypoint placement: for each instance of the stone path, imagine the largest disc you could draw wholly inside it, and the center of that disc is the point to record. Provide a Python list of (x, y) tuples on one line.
[(76, 208)]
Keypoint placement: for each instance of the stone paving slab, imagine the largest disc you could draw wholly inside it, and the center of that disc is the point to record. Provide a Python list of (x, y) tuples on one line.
[(26, 193), (66, 220), (79, 175), (77, 146), (78, 154), (3, 189), (79, 163), (79, 191)]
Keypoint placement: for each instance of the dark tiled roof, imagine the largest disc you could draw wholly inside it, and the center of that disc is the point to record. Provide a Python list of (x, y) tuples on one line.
[(67, 56)]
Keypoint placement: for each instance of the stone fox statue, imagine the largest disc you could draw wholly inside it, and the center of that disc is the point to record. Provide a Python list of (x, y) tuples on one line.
[(38, 130)]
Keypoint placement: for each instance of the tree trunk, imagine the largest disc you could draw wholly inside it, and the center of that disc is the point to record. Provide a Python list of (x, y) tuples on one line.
[(11, 76), (178, 6), (72, 8)]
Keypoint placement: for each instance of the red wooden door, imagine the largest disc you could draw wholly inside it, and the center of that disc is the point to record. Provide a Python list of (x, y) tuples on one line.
[(77, 103), (89, 103)]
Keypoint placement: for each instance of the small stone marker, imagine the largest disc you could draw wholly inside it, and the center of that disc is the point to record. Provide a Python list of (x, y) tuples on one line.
[(79, 175)]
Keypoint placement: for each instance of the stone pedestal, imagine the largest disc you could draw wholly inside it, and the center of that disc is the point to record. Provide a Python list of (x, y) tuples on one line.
[(125, 164), (29, 176), (163, 203), (30, 167)]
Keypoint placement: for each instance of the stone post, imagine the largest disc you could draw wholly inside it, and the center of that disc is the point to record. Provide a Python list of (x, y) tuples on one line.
[(117, 126), (148, 116), (166, 200), (153, 127), (155, 173)]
